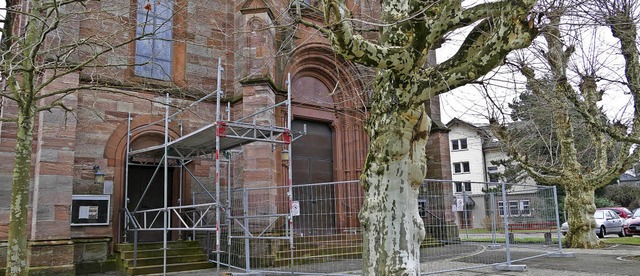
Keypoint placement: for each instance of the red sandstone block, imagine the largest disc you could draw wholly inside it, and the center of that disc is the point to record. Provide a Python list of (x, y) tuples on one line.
[(51, 197), (63, 213), (52, 230), (202, 171), (66, 156), (105, 104), (258, 175), (117, 114), (56, 168), (53, 142), (4, 232), (97, 231), (215, 43), (51, 255)]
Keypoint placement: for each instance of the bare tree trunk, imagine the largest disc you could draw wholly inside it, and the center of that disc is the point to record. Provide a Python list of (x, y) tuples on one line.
[(395, 169), (580, 205), (17, 250)]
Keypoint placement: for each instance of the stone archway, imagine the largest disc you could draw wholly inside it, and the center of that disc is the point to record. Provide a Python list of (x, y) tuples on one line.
[(142, 134), (326, 94)]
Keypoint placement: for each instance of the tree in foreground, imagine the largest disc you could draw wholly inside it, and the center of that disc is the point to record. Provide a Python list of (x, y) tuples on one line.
[(398, 125), (40, 45), (585, 149)]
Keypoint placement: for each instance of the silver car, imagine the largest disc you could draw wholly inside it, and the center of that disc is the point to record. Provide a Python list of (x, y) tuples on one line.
[(607, 222)]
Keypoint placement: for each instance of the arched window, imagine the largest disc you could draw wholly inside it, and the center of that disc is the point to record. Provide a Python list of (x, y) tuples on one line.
[(153, 49)]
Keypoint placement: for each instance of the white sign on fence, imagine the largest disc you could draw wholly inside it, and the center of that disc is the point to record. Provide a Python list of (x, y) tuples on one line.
[(295, 208), (459, 203)]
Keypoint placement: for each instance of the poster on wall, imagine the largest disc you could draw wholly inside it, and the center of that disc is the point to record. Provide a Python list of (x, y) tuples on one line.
[(90, 210)]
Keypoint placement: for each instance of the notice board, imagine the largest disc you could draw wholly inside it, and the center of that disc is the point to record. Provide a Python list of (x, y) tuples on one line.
[(90, 210)]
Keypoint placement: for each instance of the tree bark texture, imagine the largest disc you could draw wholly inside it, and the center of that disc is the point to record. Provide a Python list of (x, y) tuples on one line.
[(17, 250), (580, 206), (21, 77), (395, 169), (398, 126)]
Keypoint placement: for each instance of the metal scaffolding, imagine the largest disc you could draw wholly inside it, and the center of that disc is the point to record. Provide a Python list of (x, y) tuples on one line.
[(200, 145)]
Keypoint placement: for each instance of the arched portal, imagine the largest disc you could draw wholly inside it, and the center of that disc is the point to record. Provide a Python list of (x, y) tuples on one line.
[(328, 99), (143, 132), (145, 187)]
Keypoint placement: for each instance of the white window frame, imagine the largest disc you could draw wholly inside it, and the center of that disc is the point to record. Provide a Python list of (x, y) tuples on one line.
[(456, 144), (501, 208), (461, 167), (516, 204), (523, 208), (463, 186)]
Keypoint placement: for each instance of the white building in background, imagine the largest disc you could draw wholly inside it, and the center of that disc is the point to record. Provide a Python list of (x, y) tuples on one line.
[(472, 150)]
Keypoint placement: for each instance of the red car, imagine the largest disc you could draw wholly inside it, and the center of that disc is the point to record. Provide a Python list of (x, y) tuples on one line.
[(632, 225), (621, 211)]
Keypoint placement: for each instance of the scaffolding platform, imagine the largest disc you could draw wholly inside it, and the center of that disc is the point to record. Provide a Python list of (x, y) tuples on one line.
[(201, 143), (209, 142)]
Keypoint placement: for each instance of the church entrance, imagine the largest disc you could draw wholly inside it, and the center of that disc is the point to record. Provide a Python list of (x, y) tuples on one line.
[(312, 159), (146, 192)]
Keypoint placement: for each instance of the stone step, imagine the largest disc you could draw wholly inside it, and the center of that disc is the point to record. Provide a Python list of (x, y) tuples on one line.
[(181, 256), (149, 253), (156, 245), (143, 270), (159, 260)]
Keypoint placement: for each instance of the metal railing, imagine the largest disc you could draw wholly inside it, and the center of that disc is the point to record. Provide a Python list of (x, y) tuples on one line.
[(508, 225)]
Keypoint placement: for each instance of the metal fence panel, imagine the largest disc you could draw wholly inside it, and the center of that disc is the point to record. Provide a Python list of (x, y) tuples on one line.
[(496, 225)]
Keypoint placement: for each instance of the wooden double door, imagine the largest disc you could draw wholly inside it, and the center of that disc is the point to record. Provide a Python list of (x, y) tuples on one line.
[(312, 163)]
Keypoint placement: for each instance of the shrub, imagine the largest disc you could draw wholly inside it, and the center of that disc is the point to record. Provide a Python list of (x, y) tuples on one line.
[(626, 195), (604, 202)]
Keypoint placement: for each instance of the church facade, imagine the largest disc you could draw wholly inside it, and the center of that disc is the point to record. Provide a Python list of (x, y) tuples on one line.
[(258, 43)]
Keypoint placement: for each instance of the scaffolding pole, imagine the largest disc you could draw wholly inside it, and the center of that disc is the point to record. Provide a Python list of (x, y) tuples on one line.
[(126, 179), (289, 169), (217, 158), (166, 181)]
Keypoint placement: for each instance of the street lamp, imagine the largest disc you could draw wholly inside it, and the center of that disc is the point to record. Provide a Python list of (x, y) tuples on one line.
[(98, 175), (284, 155)]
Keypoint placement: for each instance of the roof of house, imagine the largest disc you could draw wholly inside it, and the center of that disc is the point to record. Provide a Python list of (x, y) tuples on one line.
[(489, 141)]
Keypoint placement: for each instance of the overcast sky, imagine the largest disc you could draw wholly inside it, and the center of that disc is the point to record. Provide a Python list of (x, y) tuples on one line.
[(470, 104)]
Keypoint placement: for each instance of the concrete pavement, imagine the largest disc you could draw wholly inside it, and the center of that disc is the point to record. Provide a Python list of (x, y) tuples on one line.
[(613, 260)]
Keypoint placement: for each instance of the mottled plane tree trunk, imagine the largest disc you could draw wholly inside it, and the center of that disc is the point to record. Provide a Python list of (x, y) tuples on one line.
[(610, 143), (398, 125)]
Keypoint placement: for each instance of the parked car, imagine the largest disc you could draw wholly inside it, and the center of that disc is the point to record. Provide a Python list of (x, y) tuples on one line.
[(632, 225), (621, 211), (607, 222)]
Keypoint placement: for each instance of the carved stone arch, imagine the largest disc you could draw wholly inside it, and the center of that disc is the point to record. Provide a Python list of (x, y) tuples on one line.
[(319, 61), (142, 134), (344, 113), (117, 142)]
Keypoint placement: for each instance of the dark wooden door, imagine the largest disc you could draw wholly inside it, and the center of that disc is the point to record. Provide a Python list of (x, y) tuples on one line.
[(312, 157), (139, 177)]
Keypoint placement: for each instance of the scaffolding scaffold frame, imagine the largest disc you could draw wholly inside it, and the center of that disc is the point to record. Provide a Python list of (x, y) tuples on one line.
[(198, 145)]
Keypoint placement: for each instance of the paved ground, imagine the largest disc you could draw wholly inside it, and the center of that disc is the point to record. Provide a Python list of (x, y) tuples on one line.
[(607, 261), (612, 260)]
